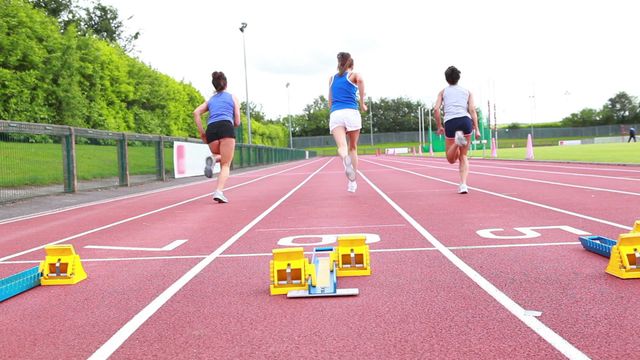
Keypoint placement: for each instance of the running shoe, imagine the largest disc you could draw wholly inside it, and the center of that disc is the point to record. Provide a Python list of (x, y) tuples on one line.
[(219, 197), (208, 169), (352, 187), (460, 139), (348, 168), (462, 189)]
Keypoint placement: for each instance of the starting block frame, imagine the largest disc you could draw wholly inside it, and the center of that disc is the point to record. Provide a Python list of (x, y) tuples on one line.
[(19, 283), (292, 274), (598, 244)]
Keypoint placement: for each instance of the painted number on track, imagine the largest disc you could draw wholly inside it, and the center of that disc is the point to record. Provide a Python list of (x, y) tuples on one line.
[(320, 240), (527, 232)]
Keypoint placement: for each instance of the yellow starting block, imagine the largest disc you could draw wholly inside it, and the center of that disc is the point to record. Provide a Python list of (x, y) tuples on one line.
[(636, 227), (61, 266), (290, 270), (352, 256), (625, 256)]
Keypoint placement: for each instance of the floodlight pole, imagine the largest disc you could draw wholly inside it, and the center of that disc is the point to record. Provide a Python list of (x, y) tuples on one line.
[(246, 81), (289, 116)]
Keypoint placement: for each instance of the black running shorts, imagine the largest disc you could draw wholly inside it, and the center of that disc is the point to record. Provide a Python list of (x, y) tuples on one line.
[(219, 130)]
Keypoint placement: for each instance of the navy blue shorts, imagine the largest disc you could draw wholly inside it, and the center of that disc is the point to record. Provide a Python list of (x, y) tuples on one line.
[(219, 130), (457, 124)]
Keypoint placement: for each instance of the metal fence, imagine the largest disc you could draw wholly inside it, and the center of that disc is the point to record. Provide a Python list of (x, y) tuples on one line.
[(521, 133), (39, 159)]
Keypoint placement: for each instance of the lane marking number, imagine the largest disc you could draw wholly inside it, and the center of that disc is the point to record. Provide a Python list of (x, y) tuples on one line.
[(527, 232), (322, 240)]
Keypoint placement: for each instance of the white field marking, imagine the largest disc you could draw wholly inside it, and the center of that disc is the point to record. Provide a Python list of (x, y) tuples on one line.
[(109, 347), (528, 232), (125, 197), (538, 171), (168, 247), (567, 212), (565, 165), (532, 180), (94, 230), (555, 340), (183, 257), (332, 227), (325, 239)]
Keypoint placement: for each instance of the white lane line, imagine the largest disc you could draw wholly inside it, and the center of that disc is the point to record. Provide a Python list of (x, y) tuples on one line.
[(551, 172), (527, 179), (172, 246), (564, 165), (332, 227), (125, 197), (181, 257), (109, 347), (94, 230), (518, 311), (567, 212)]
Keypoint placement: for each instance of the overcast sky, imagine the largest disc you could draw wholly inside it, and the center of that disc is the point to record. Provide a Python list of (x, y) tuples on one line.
[(536, 60)]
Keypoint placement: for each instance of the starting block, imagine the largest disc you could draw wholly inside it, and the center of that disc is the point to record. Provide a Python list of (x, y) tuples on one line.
[(636, 227), (352, 256), (625, 257), (292, 274), (290, 270), (325, 283), (61, 266), (598, 244)]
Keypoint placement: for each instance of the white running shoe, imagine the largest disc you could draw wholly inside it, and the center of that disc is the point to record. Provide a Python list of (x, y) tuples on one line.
[(208, 168), (352, 187), (462, 189), (219, 197), (460, 139), (348, 168)]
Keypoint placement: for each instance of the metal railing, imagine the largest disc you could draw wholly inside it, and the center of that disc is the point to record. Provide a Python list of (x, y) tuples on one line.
[(41, 159)]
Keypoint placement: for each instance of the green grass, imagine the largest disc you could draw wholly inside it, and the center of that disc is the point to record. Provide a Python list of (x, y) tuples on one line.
[(618, 153), (24, 164)]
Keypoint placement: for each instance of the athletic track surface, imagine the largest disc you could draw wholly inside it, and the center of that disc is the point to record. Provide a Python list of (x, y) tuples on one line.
[(498, 273)]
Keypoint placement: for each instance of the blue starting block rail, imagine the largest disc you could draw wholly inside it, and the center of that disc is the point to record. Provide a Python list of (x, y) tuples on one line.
[(20, 282), (598, 244)]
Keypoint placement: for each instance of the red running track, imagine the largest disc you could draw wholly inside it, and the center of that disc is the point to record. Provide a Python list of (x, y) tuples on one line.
[(497, 273)]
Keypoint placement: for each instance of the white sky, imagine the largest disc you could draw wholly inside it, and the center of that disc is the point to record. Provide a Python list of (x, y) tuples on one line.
[(537, 60)]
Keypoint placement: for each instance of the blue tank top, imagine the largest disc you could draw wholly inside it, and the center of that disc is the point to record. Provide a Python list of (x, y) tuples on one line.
[(221, 107), (343, 93)]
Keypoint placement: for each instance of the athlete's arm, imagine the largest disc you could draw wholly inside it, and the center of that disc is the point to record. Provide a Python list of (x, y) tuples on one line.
[(436, 113), (330, 99), (359, 81), (236, 111), (474, 115), (197, 113)]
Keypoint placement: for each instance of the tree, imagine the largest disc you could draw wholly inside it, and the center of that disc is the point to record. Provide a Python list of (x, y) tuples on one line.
[(620, 109), (104, 22), (65, 11), (315, 120)]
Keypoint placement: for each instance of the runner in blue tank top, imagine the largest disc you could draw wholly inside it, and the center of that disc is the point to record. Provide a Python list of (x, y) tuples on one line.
[(459, 112), (346, 91), (224, 115)]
